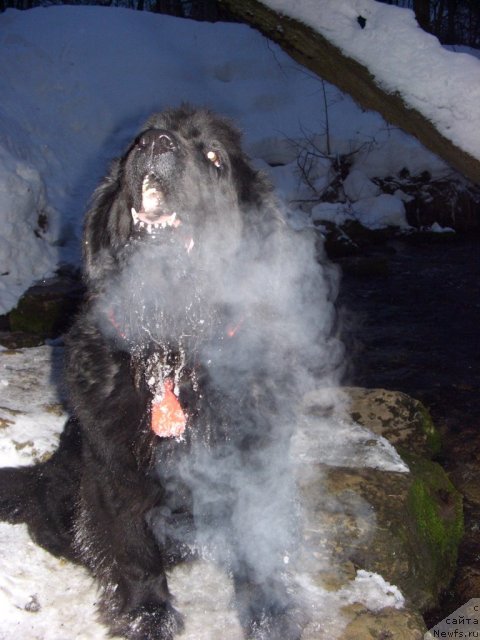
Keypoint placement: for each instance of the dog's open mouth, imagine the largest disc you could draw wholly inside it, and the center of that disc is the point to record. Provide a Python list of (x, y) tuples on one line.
[(153, 214)]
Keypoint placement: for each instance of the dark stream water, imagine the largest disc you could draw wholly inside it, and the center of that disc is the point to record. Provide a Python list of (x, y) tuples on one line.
[(415, 328)]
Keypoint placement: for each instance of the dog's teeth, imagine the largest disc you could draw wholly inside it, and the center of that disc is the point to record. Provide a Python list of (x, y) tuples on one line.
[(149, 228), (156, 225), (142, 224), (134, 215)]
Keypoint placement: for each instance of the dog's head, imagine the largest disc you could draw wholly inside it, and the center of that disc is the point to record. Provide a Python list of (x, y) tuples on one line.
[(183, 177)]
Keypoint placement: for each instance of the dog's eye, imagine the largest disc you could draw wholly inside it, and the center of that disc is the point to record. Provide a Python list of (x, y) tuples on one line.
[(214, 158)]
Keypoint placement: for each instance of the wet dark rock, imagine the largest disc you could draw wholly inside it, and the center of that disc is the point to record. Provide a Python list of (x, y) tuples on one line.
[(468, 583), (20, 339), (44, 311), (365, 266), (354, 239)]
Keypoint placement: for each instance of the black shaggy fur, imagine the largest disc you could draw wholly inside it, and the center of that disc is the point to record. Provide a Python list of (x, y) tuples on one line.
[(114, 496)]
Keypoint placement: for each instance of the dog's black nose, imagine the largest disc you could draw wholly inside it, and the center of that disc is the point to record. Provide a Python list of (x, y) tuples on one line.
[(158, 141)]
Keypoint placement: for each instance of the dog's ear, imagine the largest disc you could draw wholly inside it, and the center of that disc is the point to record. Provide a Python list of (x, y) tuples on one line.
[(107, 225)]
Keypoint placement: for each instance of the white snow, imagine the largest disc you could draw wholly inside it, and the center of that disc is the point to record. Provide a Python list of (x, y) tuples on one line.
[(384, 210), (31, 414), (42, 597), (376, 212), (78, 82), (442, 85), (336, 442), (373, 591), (436, 228)]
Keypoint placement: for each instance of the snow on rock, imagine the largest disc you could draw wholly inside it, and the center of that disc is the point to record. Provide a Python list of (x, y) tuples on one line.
[(373, 591), (377, 212), (383, 211), (442, 85), (340, 443), (436, 228)]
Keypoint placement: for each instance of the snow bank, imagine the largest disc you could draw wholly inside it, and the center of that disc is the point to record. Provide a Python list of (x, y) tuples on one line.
[(78, 81), (382, 211), (28, 226), (374, 213)]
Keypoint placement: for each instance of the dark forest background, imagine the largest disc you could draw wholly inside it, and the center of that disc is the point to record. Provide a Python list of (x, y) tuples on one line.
[(452, 21)]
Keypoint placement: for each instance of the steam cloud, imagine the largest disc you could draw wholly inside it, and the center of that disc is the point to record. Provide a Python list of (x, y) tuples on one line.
[(277, 299)]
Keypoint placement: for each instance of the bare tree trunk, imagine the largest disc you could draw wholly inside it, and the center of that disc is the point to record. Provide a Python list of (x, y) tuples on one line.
[(422, 13), (439, 11), (451, 37)]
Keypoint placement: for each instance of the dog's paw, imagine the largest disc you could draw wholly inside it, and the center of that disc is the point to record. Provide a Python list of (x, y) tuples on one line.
[(149, 622)]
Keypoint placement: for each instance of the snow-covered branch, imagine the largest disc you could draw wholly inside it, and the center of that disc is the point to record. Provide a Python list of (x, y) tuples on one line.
[(352, 54)]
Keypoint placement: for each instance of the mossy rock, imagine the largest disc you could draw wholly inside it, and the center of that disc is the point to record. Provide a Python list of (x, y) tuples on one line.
[(405, 526), (404, 421), (46, 308), (435, 508)]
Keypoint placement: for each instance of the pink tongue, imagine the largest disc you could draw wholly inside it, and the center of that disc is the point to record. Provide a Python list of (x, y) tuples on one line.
[(168, 419)]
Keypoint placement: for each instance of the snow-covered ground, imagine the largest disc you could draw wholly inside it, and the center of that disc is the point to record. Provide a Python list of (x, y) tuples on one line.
[(77, 83), (43, 598)]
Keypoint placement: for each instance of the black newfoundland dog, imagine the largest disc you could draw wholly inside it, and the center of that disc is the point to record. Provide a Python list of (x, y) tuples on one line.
[(182, 371)]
